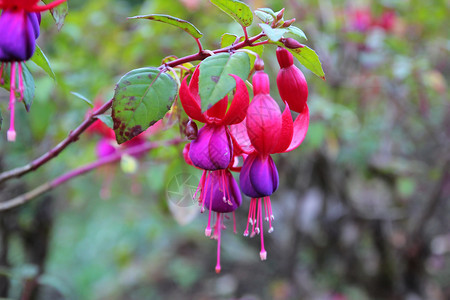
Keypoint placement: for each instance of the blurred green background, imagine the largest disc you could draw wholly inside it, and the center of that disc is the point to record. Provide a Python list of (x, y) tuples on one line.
[(362, 211)]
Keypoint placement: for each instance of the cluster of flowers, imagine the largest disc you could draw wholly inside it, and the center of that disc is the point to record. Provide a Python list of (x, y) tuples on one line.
[(19, 24), (251, 130)]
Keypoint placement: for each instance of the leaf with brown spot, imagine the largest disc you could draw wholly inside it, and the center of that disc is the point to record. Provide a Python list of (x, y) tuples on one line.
[(142, 97)]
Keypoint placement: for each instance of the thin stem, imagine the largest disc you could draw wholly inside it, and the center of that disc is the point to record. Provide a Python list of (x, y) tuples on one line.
[(260, 43), (199, 44), (73, 136), (136, 150), (245, 33)]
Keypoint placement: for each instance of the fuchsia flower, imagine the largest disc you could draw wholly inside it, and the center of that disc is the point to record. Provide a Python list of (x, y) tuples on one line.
[(268, 131), (291, 82), (19, 29), (213, 150)]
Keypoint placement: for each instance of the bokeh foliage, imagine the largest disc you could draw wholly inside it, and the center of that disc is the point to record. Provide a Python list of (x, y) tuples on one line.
[(362, 212)]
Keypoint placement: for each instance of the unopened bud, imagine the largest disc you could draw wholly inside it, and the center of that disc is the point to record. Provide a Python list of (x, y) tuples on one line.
[(291, 43), (191, 130), (288, 23), (259, 64), (280, 15)]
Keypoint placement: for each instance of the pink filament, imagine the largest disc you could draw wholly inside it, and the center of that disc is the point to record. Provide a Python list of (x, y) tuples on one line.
[(11, 134), (219, 229), (263, 253), (1, 74), (208, 228)]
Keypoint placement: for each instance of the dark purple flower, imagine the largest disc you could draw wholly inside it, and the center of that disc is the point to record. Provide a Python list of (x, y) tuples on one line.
[(18, 34), (259, 176)]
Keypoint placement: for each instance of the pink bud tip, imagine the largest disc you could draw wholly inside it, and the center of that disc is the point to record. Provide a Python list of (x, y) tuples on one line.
[(270, 230), (208, 231), (11, 135), (263, 255), (218, 269)]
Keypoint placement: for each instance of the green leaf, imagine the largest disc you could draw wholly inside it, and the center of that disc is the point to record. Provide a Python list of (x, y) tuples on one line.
[(274, 34), (264, 16), (297, 32), (107, 120), (307, 57), (238, 10), (41, 60), (142, 97), (59, 13), (268, 11), (185, 25), (83, 98), (215, 81), (28, 83), (228, 39)]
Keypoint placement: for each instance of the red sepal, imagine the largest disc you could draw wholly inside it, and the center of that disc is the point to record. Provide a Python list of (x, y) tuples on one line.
[(301, 124)]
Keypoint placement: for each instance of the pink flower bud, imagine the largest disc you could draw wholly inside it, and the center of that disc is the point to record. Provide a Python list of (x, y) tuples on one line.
[(291, 82), (291, 43)]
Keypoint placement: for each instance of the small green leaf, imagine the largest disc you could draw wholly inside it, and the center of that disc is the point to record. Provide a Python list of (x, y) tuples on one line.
[(107, 120), (274, 34), (28, 83), (214, 80), (268, 11), (297, 32), (142, 97), (83, 98), (185, 25), (264, 16), (41, 60), (238, 10), (59, 13), (228, 39), (307, 57)]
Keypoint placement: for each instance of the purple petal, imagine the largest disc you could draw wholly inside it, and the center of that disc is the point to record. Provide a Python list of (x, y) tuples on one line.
[(18, 34), (104, 148), (259, 176), (222, 192)]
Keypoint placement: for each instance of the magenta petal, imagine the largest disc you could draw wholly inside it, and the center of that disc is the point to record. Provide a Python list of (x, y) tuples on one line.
[(240, 135), (222, 192), (104, 148), (264, 123), (212, 150), (17, 35)]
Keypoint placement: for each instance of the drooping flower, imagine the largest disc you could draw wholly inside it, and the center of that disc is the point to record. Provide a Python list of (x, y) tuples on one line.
[(291, 82), (213, 150), (213, 147), (19, 29), (221, 195), (266, 131)]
